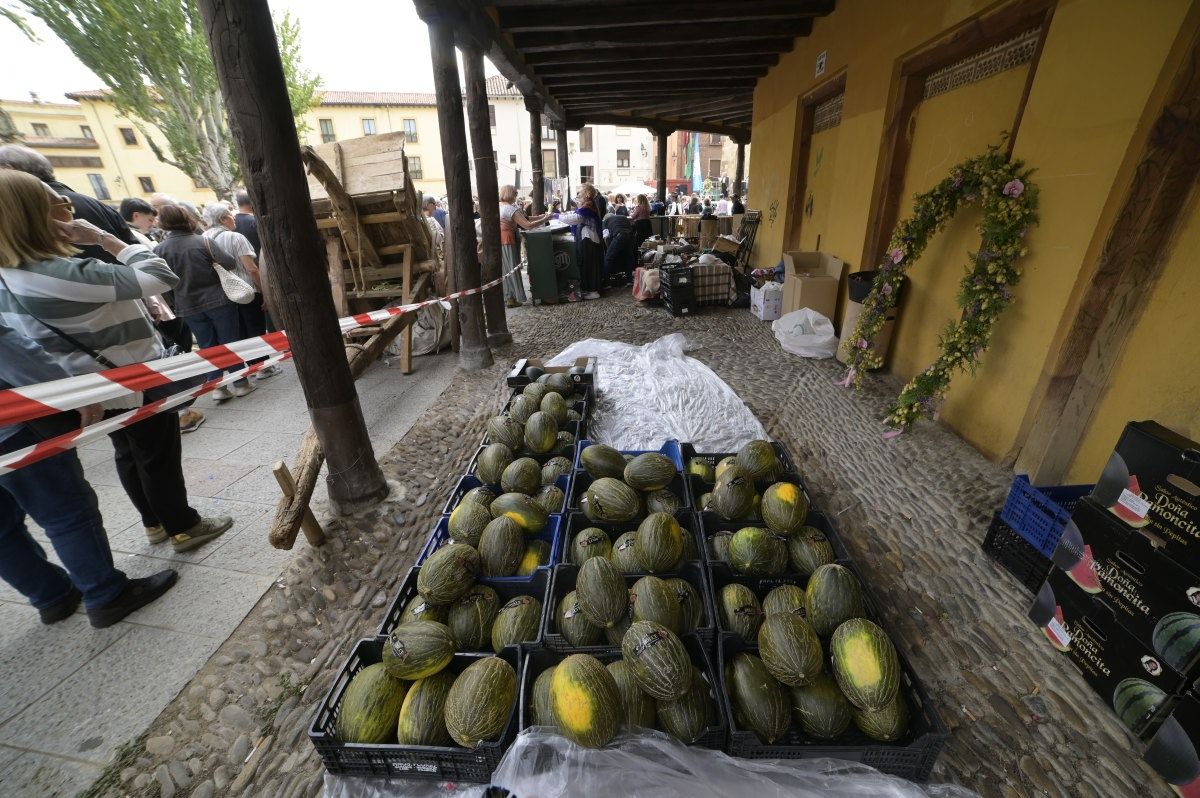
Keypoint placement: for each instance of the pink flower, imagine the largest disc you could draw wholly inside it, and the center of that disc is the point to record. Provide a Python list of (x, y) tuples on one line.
[(887, 289), (897, 255), (862, 343), (1014, 188), (846, 382), (892, 433)]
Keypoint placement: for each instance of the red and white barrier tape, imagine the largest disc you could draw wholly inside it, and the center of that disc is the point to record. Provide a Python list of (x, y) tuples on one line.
[(47, 398), (32, 454)]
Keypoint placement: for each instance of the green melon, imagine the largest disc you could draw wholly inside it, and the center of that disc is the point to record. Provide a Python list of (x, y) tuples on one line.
[(704, 502), (663, 501), (652, 599), (522, 475), (638, 707), (418, 609), (554, 468), (527, 513), (785, 598), (533, 373), (790, 649), (753, 513), (740, 611), (759, 702), (482, 495), (649, 471), (448, 573), (555, 406), (602, 461), (756, 552), (659, 543), (573, 415), (808, 550), (733, 499), (702, 468), (418, 649), (480, 702), (550, 498), (492, 461), (658, 660), (518, 621), (759, 461), (1176, 639), (536, 391), (886, 725), (369, 707), (614, 634), (543, 715), (472, 616), (573, 625), (541, 433), (588, 543), (500, 547), (865, 664), (423, 716), (503, 429), (566, 442), (624, 554), (520, 410), (601, 591), (691, 607), (467, 522), (537, 555), (784, 508), (690, 716), (718, 545), (612, 501), (691, 551), (1137, 702), (821, 709), (832, 597), (586, 701), (561, 382), (723, 466)]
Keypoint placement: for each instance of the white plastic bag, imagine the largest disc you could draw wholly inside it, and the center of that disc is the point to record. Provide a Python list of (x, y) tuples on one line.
[(806, 333)]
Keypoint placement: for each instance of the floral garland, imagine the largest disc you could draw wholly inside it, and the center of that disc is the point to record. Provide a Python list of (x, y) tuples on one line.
[(1009, 204)]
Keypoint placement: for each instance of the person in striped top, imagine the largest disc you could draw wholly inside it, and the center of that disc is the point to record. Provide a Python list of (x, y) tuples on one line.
[(88, 313)]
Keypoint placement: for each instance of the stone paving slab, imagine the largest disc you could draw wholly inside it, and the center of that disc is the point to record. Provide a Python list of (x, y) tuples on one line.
[(36, 774)]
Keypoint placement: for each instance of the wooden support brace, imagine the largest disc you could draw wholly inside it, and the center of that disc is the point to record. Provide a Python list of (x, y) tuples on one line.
[(308, 522)]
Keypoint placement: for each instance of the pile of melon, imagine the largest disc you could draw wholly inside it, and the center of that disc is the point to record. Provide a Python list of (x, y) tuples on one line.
[(627, 488), (500, 528), (533, 425), (735, 494)]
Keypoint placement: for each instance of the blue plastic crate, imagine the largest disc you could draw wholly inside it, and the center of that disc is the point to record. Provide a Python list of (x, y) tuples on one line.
[(1040, 514), (671, 449), (551, 533)]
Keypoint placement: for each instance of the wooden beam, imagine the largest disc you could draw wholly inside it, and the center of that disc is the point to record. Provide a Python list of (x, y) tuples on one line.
[(739, 173), (360, 247), (537, 192), (694, 35), (308, 522), (668, 12), (617, 55), (561, 156), (241, 36), (657, 82), (660, 164), (747, 64)]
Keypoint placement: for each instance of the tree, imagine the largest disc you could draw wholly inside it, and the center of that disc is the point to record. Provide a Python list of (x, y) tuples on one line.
[(155, 61)]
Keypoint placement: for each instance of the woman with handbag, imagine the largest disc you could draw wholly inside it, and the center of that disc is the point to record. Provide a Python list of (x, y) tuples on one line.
[(90, 316), (209, 290)]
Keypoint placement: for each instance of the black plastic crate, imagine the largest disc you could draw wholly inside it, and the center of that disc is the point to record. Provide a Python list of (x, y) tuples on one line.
[(583, 480), (679, 302), (689, 451), (1016, 554), (697, 488), (563, 582), (517, 377), (551, 533), (576, 521), (670, 449), (441, 763), (469, 481), (910, 758), (537, 586), (567, 451), (677, 277), (539, 660), (582, 406), (711, 523)]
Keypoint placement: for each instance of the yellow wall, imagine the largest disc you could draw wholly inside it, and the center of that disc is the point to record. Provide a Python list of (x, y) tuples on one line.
[(1098, 67), (64, 121), (820, 188)]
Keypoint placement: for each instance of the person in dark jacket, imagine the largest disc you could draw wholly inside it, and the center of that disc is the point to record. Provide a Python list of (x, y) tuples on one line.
[(246, 223), (620, 255), (738, 205)]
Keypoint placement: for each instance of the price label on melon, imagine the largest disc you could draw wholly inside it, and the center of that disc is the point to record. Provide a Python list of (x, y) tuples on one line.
[(1134, 503), (1059, 631)]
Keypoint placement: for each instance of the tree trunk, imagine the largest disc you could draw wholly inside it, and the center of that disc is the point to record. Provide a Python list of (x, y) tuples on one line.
[(474, 352), (538, 191), (489, 194), (241, 36)]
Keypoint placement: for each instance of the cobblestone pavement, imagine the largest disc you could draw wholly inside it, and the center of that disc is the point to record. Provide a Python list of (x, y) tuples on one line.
[(913, 511)]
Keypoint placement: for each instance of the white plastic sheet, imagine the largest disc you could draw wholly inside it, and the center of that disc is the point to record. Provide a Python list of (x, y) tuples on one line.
[(652, 393), (806, 333)]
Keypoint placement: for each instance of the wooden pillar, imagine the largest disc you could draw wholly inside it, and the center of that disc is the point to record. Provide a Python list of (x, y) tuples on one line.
[(564, 168), (739, 174), (241, 36), (538, 193), (473, 352), (487, 191), (660, 165)]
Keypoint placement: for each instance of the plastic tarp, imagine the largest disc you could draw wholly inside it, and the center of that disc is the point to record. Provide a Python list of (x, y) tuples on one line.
[(650, 764), (653, 393), (806, 333)]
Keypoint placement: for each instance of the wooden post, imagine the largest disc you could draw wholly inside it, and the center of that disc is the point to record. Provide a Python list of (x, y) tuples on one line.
[(473, 352), (564, 169), (241, 35), (660, 166), (739, 174), (488, 192), (538, 192)]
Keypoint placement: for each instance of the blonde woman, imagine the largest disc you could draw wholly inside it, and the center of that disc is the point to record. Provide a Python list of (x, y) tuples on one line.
[(589, 240), (511, 218)]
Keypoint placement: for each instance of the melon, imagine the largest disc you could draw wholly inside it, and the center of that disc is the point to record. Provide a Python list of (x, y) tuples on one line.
[(652, 599), (691, 607), (624, 554), (541, 433), (733, 499), (537, 555), (554, 468), (480, 702), (480, 495), (784, 598), (492, 461), (759, 461), (500, 547), (808, 550), (663, 501), (718, 545), (550, 498), (520, 410), (723, 466), (601, 591), (602, 461), (588, 543), (756, 552), (820, 708), (784, 508), (518, 621), (471, 618), (613, 635), (886, 725), (689, 716), (659, 543), (573, 625), (759, 702), (585, 701), (467, 522), (1137, 702), (522, 475), (369, 707), (649, 471), (536, 391), (419, 649), (638, 707), (789, 648), (865, 664), (528, 514), (610, 500), (702, 468), (555, 406), (503, 429), (543, 715), (740, 611), (448, 573), (657, 660), (832, 597), (423, 715), (418, 609)]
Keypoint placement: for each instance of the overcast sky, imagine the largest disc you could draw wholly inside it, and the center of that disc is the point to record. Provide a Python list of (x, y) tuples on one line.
[(370, 45)]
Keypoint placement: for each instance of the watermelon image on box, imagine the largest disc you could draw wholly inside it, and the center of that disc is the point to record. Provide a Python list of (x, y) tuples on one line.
[(1172, 750)]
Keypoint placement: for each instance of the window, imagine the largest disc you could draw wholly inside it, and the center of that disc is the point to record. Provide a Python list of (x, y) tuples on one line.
[(86, 132), (98, 187), (549, 163), (622, 159), (414, 166), (548, 133), (326, 130), (512, 158), (128, 136), (368, 127), (714, 167), (714, 138), (40, 129), (492, 115), (622, 131), (587, 174), (585, 139), (410, 131), (147, 184)]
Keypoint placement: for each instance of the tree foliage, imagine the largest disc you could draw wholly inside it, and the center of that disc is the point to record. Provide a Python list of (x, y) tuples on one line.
[(155, 61)]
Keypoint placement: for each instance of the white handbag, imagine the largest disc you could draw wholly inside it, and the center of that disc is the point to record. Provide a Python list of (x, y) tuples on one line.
[(237, 289)]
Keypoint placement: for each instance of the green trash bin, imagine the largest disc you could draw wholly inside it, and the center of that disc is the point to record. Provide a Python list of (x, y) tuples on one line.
[(550, 256)]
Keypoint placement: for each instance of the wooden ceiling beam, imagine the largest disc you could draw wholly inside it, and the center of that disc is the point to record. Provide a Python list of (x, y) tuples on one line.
[(743, 65), (712, 83), (617, 55), (530, 19), (650, 71), (694, 35)]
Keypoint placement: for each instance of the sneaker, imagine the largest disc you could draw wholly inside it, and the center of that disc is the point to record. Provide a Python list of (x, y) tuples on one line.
[(222, 394), (592, 295), (137, 594), (189, 421), (511, 303), (243, 387), (63, 609), (156, 534), (267, 373), (208, 529)]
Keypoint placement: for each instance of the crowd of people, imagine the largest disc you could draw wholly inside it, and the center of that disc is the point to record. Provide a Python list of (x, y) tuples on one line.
[(84, 288)]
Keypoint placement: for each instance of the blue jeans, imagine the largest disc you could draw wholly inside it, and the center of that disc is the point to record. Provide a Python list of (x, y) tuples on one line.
[(54, 493), (217, 326)]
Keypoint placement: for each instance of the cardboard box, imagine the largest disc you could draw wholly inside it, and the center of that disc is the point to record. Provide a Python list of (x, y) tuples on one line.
[(1172, 749), (1138, 582), (766, 302), (811, 280), (1085, 630), (516, 378), (1152, 481)]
